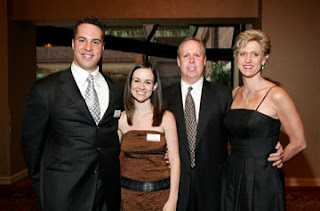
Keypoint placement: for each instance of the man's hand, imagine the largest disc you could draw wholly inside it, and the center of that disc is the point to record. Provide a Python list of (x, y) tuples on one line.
[(277, 157)]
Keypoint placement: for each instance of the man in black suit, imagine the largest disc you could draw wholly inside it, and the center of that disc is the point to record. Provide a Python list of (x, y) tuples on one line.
[(200, 180), (71, 152)]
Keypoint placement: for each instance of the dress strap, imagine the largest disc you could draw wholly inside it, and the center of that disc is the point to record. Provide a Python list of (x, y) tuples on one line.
[(236, 92), (265, 97)]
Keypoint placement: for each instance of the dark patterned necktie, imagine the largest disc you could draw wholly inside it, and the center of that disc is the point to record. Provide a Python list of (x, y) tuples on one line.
[(191, 125), (92, 100)]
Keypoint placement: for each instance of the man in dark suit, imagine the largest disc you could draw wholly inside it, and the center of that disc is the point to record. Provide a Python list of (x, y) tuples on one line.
[(71, 148), (200, 184), (200, 174)]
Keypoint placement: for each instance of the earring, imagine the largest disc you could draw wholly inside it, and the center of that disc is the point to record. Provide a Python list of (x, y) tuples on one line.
[(262, 67)]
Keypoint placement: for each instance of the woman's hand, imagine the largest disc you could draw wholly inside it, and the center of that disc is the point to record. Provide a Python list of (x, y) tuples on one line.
[(170, 205), (277, 157)]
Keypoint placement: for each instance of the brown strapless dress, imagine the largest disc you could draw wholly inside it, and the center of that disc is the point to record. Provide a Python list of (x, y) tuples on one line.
[(143, 160)]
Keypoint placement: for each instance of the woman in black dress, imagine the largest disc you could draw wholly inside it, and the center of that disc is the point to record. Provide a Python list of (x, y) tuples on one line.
[(259, 107)]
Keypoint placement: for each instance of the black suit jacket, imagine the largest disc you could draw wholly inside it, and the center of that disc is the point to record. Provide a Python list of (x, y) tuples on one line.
[(65, 151), (211, 143)]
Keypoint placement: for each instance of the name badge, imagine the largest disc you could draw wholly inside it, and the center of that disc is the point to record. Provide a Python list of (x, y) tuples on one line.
[(153, 137), (116, 113)]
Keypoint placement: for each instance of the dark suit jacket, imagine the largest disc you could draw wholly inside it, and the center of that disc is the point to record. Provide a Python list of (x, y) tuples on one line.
[(211, 143), (65, 151)]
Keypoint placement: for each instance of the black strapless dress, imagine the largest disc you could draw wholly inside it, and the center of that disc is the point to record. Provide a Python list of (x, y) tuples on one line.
[(250, 182)]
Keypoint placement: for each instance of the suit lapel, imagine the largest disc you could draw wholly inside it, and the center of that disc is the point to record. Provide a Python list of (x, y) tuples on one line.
[(206, 107), (70, 88), (177, 109), (112, 101)]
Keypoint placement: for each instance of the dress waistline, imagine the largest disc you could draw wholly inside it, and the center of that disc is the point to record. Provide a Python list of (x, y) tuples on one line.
[(144, 186)]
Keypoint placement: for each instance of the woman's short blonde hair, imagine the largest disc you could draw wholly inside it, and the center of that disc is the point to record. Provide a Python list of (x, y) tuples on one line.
[(252, 35)]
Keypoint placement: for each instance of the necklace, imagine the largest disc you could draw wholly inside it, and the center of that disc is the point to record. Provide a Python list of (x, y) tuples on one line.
[(250, 94)]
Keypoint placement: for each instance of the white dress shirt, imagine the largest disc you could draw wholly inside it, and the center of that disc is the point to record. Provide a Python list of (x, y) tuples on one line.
[(100, 84), (196, 93)]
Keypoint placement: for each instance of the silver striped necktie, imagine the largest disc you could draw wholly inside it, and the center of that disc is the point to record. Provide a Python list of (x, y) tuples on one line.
[(92, 100)]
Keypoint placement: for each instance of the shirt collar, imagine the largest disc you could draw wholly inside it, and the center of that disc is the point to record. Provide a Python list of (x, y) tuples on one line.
[(197, 87), (81, 74)]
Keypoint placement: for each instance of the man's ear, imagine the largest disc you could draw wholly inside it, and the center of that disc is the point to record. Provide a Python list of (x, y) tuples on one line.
[(178, 61)]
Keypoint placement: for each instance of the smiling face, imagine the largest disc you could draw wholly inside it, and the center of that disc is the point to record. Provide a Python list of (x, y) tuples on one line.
[(250, 58), (142, 84), (87, 46), (191, 61)]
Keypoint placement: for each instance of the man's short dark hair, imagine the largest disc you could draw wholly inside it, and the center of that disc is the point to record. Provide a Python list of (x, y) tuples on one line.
[(90, 20)]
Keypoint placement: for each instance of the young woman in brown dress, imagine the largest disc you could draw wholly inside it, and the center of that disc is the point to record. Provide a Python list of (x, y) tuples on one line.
[(145, 130)]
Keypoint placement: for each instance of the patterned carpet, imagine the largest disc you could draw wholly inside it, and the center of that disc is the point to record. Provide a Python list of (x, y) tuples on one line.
[(20, 197), (303, 198)]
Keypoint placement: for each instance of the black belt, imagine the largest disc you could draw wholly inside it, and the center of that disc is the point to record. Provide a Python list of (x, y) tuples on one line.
[(144, 186)]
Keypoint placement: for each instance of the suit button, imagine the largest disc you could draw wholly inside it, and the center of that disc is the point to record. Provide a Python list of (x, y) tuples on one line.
[(95, 171), (98, 149)]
